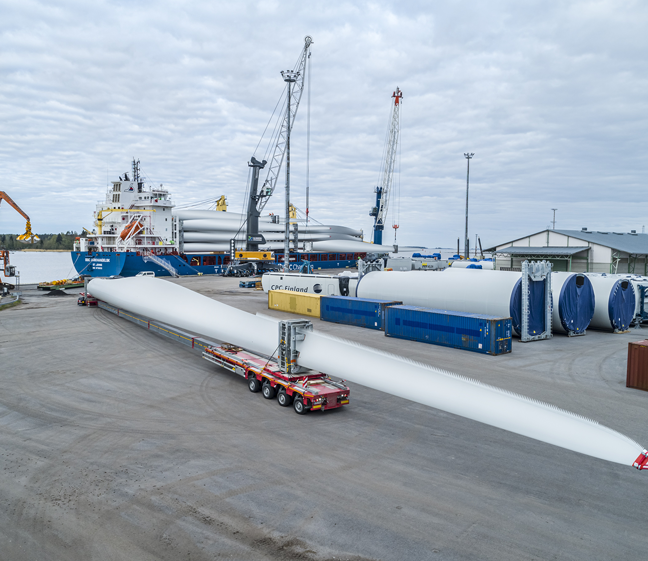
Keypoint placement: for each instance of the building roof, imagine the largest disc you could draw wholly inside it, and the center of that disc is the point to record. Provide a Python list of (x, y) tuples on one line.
[(520, 250), (635, 244)]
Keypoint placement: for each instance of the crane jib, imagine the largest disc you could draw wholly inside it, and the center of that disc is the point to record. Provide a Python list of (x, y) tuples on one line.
[(383, 190)]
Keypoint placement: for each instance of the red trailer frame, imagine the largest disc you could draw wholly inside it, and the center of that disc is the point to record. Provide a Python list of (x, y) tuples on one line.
[(306, 390)]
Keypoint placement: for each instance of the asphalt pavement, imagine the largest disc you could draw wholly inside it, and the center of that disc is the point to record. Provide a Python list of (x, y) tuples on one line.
[(116, 443)]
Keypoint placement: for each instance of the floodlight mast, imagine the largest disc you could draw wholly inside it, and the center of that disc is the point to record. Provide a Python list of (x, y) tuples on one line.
[(468, 156), (290, 77), (386, 178)]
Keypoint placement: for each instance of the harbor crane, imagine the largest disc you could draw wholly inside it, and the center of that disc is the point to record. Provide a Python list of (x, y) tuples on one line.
[(383, 190), (259, 197)]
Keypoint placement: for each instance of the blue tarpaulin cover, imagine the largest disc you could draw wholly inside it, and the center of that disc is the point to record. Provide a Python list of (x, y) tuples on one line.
[(536, 307), (576, 304), (621, 305)]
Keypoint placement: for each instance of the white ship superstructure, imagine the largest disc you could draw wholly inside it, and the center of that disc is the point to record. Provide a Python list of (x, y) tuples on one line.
[(134, 217)]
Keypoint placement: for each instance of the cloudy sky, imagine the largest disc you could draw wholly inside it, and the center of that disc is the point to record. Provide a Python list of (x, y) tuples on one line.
[(552, 97)]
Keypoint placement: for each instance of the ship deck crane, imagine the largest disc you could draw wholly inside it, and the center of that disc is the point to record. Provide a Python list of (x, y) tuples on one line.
[(387, 172), (259, 197)]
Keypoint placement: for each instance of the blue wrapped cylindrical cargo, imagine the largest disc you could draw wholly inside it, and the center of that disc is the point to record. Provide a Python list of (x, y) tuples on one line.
[(574, 302), (361, 312), (471, 332), (615, 303)]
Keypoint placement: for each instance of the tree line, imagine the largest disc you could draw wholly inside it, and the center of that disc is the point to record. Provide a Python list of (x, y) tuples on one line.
[(47, 241)]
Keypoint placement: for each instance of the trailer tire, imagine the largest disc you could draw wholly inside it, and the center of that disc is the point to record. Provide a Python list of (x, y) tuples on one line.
[(298, 405), (254, 384), (283, 398), (268, 391)]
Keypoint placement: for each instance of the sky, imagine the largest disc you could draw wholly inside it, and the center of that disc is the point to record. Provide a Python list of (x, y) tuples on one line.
[(551, 97)]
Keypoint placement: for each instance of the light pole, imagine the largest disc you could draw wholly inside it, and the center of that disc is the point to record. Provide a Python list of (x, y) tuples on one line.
[(289, 77), (554, 218), (468, 156)]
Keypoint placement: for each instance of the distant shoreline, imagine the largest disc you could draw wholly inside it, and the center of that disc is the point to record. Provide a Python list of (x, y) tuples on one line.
[(44, 250)]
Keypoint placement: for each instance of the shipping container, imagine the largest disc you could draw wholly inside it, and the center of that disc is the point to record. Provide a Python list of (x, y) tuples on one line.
[(300, 303), (471, 332), (637, 376), (361, 312)]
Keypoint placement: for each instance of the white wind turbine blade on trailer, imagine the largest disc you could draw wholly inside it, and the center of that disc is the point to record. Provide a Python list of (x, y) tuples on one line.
[(181, 307)]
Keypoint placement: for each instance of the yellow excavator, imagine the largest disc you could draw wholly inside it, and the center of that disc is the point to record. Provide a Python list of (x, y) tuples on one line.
[(28, 236)]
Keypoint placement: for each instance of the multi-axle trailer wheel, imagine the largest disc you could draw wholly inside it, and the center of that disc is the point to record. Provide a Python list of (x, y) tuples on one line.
[(285, 400)]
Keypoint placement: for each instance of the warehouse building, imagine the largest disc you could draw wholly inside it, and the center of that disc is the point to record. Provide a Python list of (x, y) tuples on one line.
[(577, 250)]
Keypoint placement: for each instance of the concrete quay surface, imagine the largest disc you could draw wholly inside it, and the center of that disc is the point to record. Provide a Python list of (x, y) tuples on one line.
[(118, 444)]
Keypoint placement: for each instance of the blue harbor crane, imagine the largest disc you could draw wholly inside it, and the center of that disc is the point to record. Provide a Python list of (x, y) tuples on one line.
[(387, 171)]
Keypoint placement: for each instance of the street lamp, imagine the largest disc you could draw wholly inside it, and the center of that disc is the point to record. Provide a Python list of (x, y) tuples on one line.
[(554, 218), (468, 156), (289, 77)]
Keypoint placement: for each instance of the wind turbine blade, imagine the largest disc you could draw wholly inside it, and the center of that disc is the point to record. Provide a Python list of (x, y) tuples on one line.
[(179, 306)]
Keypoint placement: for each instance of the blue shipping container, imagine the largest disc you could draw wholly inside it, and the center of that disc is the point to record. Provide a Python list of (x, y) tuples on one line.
[(472, 332), (361, 312)]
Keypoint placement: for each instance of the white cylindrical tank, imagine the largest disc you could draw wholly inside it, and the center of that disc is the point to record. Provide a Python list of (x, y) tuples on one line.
[(475, 291), (615, 302), (463, 263), (326, 285)]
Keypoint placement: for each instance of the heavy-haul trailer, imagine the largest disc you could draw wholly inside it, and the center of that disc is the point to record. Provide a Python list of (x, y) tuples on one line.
[(306, 390)]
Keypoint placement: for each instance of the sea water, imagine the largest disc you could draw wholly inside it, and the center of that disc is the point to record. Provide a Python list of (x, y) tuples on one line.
[(42, 266)]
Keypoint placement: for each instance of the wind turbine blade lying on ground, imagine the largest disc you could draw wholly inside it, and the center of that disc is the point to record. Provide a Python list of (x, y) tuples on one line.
[(183, 308)]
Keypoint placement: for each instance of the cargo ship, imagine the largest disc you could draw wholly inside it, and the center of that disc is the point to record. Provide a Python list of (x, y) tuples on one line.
[(136, 230)]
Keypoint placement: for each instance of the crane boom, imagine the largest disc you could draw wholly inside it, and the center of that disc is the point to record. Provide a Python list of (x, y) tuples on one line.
[(288, 119), (28, 236), (387, 172), (259, 197)]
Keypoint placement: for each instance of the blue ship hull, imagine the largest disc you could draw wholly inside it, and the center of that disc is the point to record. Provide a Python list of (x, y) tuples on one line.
[(129, 263)]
